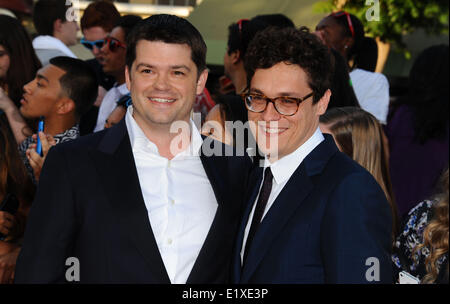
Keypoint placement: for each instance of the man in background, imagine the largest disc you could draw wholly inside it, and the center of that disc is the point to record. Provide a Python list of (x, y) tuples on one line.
[(99, 18), (56, 33)]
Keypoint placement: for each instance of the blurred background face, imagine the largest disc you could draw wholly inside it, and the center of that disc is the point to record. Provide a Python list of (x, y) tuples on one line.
[(92, 34), (69, 31), (214, 126), (42, 93), (331, 34), (4, 62), (227, 63), (113, 62)]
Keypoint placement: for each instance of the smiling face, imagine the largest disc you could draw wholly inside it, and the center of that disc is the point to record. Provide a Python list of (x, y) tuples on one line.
[(4, 62), (41, 95), (279, 135), (163, 82)]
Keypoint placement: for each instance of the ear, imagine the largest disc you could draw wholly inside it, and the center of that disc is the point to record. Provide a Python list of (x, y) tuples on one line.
[(349, 42), (201, 82), (127, 78), (57, 24), (322, 104), (235, 56), (65, 105)]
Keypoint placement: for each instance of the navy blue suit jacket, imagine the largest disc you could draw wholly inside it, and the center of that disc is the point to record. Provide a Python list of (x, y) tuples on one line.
[(89, 205), (325, 225)]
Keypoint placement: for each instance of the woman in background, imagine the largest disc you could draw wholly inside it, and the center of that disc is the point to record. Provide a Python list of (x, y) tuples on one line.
[(15, 184), (18, 61), (418, 130), (18, 66), (358, 134), (344, 32), (422, 247)]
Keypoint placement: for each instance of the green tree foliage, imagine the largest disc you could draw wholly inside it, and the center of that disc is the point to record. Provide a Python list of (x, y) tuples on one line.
[(397, 17)]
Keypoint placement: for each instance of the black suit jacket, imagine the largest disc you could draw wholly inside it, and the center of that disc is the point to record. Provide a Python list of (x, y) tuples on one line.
[(331, 223), (89, 205)]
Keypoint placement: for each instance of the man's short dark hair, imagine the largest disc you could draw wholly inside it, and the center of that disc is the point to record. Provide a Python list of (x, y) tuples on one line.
[(168, 29), (100, 13), (46, 12), (292, 46), (79, 83), (127, 23)]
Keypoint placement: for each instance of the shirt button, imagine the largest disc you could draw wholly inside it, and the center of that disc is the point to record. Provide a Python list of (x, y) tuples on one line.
[(172, 202), (168, 164), (169, 241)]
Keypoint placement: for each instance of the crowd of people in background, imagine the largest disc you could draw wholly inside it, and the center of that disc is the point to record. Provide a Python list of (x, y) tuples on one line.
[(402, 143)]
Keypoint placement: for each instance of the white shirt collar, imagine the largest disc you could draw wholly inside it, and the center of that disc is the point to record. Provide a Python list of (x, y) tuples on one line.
[(51, 43), (140, 142), (283, 168), (121, 88)]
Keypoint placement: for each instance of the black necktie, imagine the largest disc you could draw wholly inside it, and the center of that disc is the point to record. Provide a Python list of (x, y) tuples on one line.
[(259, 209)]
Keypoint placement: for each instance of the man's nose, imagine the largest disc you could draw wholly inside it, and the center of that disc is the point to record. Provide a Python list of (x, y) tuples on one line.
[(270, 113), (161, 82)]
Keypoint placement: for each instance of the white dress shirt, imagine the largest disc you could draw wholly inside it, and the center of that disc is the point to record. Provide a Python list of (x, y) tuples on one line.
[(109, 103), (372, 92), (282, 171), (45, 42), (180, 201)]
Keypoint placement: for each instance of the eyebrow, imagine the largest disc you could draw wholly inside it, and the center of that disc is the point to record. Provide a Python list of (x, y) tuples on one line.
[(173, 67), (40, 76), (282, 94)]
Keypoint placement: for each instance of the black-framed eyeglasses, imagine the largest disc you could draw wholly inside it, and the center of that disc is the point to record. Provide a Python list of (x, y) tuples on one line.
[(90, 44), (113, 44), (349, 20), (284, 105)]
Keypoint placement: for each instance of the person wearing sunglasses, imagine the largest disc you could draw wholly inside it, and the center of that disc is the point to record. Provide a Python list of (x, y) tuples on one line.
[(314, 216), (113, 54), (344, 32), (98, 20)]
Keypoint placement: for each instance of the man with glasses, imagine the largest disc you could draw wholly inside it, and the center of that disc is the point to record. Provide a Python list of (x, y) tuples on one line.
[(314, 215), (138, 202), (99, 18), (112, 60)]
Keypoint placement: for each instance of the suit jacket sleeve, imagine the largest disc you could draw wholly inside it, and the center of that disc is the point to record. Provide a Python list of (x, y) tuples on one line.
[(357, 233), (51, 226)]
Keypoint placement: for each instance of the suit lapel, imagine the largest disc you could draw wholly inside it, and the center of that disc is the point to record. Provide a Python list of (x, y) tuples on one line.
[(255, 180), (290, 198), (116, 167)]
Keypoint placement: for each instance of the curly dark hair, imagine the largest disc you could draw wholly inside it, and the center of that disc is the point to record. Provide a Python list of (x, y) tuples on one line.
[(293, 46)]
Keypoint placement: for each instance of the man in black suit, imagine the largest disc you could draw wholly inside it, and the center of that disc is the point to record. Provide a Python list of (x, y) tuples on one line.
[(140, 202), (313, 215)]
